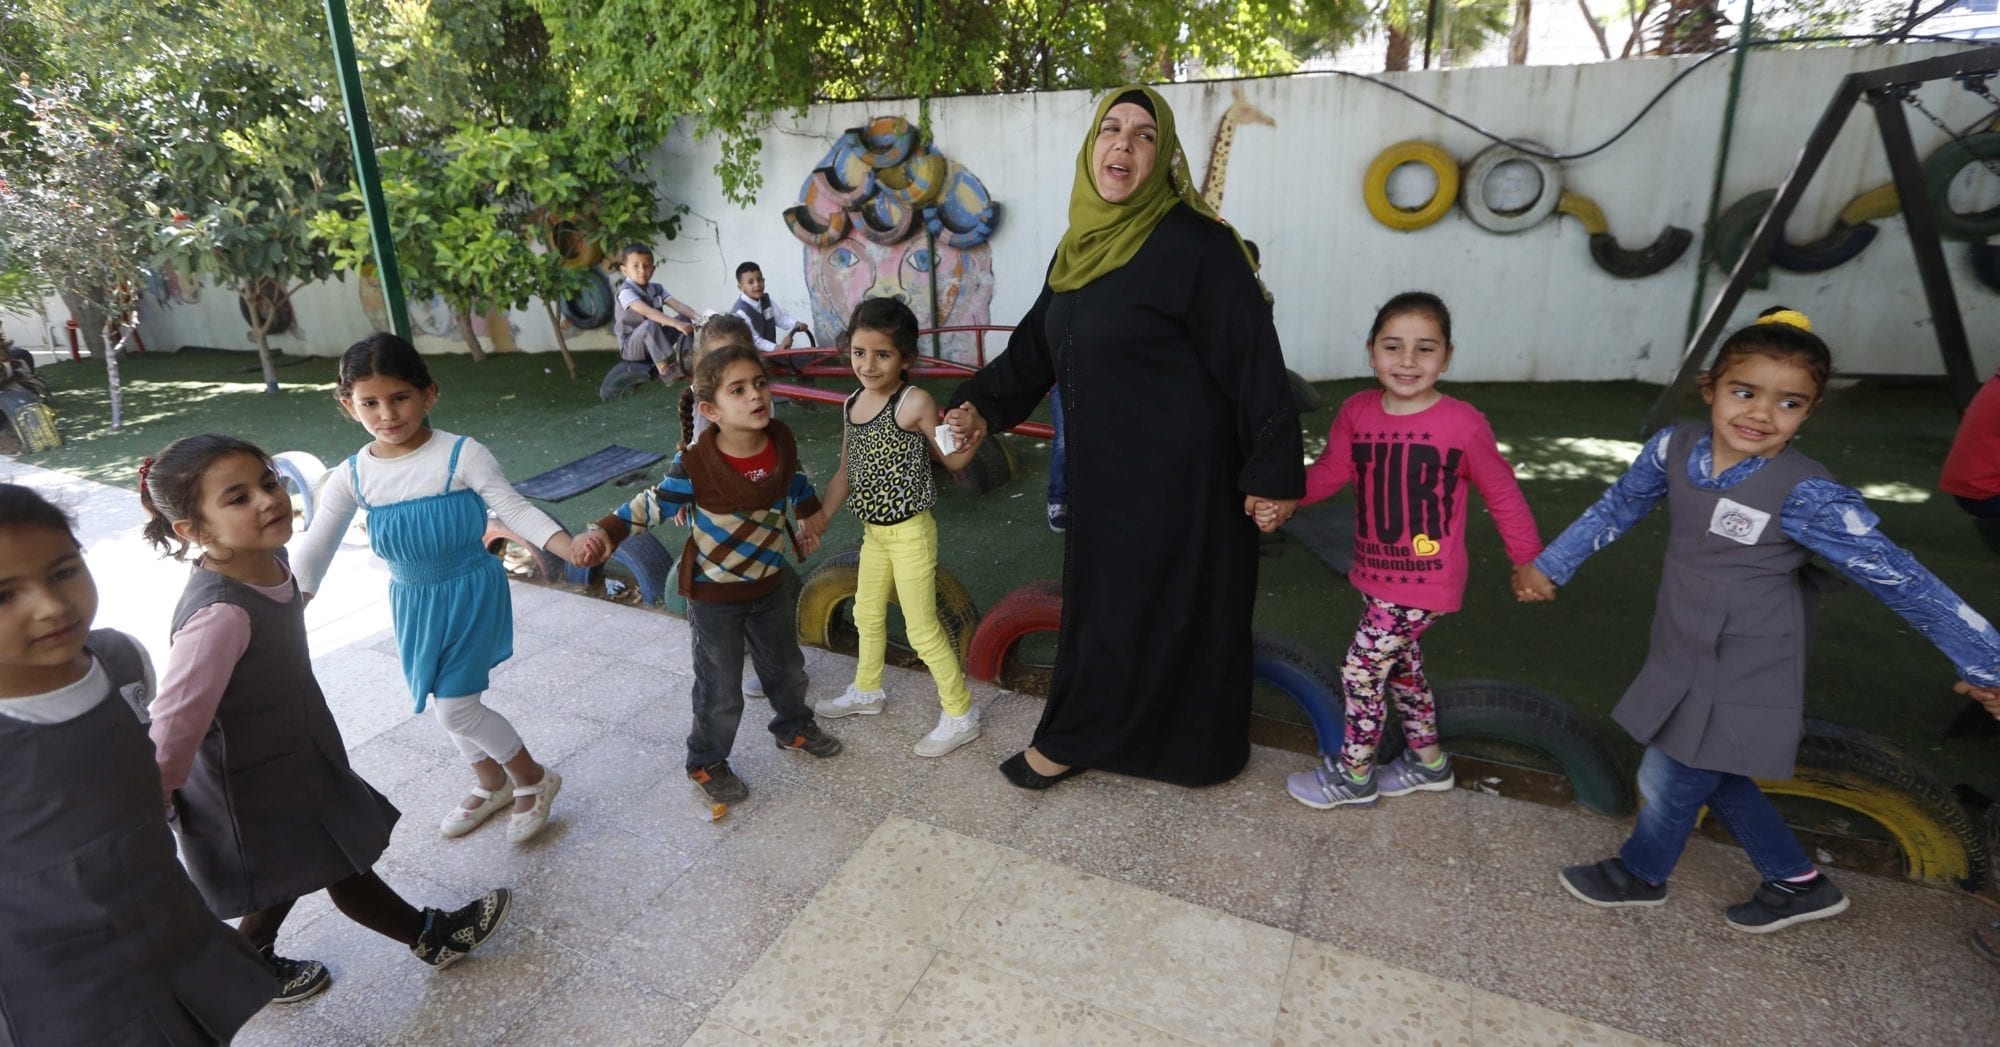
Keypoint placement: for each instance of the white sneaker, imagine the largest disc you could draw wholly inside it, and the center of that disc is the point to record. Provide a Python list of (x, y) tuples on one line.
[(853, 703), (752, 686), (950, 733)]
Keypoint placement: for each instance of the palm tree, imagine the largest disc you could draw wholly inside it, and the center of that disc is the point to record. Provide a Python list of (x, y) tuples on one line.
[(1463, 26)]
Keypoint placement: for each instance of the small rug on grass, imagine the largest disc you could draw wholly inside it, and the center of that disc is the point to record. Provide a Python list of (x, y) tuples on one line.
[(568, 481)]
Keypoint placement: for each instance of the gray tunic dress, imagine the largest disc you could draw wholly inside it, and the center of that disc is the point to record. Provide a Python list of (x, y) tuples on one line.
[(1723, 687), (271, 810), (103, 940)]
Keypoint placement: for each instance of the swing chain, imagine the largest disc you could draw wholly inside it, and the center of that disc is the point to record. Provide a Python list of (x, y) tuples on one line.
[(1972, 82)]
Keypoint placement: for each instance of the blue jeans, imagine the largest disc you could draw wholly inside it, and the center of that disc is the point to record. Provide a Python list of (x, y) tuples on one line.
[(767, 625), (1058, 467), (1675, 793)]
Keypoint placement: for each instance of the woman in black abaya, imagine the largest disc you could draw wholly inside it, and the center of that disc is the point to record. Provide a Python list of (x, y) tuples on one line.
[(1182, 441)]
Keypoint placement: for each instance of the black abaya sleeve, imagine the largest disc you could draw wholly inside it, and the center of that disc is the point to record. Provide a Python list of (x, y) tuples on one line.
[(1231, 324), (1008, 390)]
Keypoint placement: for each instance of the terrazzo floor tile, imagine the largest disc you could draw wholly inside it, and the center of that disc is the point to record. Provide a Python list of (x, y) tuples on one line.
[(1608, 971), (389, 765), (1502, 1022), (959, 1001), (602, 1006), (912, 878), (279, 1025), (966, 793), (469, 1002), (796, 839), (1335, 996), (1393, 882), (602, 878), (715, 1034), (698, 937), (366, 691), (1192, 972), (604, 688), (829, 979)]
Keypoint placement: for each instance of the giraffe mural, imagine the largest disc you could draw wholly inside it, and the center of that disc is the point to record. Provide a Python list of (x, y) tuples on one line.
[(1215, 179)]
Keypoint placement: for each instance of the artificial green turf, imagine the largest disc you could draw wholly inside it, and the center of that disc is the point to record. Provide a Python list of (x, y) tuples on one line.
[(1869, 669)]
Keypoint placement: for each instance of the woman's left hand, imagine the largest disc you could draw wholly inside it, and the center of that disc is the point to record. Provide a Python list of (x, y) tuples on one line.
[(1269, 513)]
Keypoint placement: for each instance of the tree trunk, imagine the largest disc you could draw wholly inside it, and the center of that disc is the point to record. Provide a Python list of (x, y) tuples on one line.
[(562, 343), (1398, 58), (90, 320), (1596, 29), (114, 349), (261, 314), (464, 317), (1636, 41), (1517, 43)]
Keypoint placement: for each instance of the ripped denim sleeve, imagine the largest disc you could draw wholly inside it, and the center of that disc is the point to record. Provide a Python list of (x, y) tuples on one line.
[(1622, 506), (1836, 524)]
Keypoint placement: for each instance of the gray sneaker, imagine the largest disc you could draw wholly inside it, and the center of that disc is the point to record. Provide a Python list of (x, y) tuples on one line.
[(1328, 786), (1406, 774)]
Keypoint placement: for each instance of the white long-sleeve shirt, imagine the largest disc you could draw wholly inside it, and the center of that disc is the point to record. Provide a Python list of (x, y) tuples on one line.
[(386, 481)]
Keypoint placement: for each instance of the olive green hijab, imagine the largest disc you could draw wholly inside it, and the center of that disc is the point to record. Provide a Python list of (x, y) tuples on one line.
[(1103, 236)]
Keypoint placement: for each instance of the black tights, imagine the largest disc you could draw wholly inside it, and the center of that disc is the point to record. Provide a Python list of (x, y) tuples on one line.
[(363, 898)]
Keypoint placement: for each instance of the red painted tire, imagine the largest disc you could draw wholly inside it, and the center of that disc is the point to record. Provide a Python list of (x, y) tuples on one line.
[(1033, 608)]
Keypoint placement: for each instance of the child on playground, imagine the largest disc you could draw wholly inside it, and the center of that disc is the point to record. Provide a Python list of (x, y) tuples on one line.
[(886, 445), (768, 321), (720, 330), (1409, 449), (253, 765), (646, 313), (744, 483), (102, 937), (427, 493), (1720, 699)]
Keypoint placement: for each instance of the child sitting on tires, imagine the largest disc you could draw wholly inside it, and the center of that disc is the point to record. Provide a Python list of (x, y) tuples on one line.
[(1720, 701), (650, 323)]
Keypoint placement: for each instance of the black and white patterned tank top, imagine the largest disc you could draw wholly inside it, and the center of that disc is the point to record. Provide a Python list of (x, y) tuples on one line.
[(888, 466)]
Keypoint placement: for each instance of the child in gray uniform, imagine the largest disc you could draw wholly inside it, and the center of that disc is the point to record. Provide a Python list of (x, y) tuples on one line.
[(1721, 698), (102, 938)]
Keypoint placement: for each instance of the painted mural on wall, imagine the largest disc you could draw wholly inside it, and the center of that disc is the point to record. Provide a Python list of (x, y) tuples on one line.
[(885, 214), (169, 286)]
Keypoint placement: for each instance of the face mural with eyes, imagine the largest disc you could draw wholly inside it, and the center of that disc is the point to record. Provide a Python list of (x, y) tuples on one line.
[(885, 215)]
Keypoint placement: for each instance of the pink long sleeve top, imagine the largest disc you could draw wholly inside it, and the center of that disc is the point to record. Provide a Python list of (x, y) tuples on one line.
[(1410, 475), (203, 657)]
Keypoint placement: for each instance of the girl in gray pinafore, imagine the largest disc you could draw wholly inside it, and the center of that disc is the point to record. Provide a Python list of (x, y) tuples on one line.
[(267, 807), (102, 938), (1720, 700)]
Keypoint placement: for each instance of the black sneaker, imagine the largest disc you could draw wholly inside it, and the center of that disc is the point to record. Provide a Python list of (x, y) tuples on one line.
[(811, 739), (1779, 904), (297, 979), (719, 783), (1610, 885), (448, 936)]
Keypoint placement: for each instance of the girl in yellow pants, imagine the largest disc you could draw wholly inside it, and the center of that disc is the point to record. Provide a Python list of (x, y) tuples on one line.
[(885, 475)]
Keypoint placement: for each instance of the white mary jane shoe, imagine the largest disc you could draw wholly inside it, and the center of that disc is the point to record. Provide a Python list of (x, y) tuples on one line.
[(463, 820), (523, 825)]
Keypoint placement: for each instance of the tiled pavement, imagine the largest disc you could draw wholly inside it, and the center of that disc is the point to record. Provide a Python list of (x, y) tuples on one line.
[(879, 897)]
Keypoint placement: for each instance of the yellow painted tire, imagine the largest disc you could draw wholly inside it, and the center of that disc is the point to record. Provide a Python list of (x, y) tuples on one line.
[(830, 588), (1585, 210), (1879, 202), (1375, 187), (1878, 781)]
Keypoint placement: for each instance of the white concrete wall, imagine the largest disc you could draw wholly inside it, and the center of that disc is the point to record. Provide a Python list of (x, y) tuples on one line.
[(1531, 306)]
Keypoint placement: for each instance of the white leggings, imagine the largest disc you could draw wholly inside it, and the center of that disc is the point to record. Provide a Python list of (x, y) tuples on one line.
[(480, 733)]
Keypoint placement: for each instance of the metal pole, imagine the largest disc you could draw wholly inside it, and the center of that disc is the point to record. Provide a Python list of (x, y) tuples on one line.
[(1721, 169), (930, 238), (365, 170), (1946, 321)]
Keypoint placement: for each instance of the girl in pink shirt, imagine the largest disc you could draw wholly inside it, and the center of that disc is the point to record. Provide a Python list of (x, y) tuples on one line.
[(1414, 455)]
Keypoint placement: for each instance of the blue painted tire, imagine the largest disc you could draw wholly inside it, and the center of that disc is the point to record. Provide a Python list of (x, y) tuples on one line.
[(593, 306), (652, 566), (1306, 679)]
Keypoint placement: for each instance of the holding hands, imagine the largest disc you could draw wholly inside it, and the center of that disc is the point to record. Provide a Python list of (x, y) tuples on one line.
[(1986, 696), (1532, 586), (1269, 513), (811, 529), (590, 548)]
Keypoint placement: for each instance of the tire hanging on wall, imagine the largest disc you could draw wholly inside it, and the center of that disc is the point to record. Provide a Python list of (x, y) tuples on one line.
[(1840, 244), (1942, 166), (299, 472), (832, 585), (1729, 237), (1472, 190), (1375, 185), (1986, 264), (1033, 608), (1610, 256), (593, 306), (1877, 780)]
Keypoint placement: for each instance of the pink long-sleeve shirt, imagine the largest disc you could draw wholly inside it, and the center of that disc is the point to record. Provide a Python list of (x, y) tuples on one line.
[(204, 655), (1410, 474)]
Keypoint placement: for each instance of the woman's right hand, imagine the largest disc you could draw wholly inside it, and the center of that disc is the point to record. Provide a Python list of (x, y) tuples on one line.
[(967, 424)]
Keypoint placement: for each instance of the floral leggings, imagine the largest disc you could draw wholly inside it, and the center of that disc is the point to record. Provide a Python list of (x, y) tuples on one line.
[(1386, 662)]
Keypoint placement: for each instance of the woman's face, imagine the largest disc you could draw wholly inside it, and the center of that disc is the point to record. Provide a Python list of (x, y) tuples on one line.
[(1128, 143)]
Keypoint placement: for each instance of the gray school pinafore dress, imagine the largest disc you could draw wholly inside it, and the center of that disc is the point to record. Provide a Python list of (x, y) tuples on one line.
[(1723, 687), (271, 810), (103, 940)]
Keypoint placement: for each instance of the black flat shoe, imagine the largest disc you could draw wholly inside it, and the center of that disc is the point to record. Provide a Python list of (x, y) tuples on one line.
[(1018, 772)]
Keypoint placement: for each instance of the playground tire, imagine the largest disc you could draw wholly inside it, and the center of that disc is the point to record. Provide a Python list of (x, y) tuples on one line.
[(1584, 210), (1986, 265), (621, 380), (1629, 264), (1730, 236), (544, 567), (593, 306), (1876, 779), (22, 358), (992, 465), (652, 566), (578, 251), (300, 471), (1033, 608), (1306, 679), (1472, 189), (1375, 186), (1839, 245), (833, 582), (1944, 165), (1522, 716), (1879, 202), (1305, 398)]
